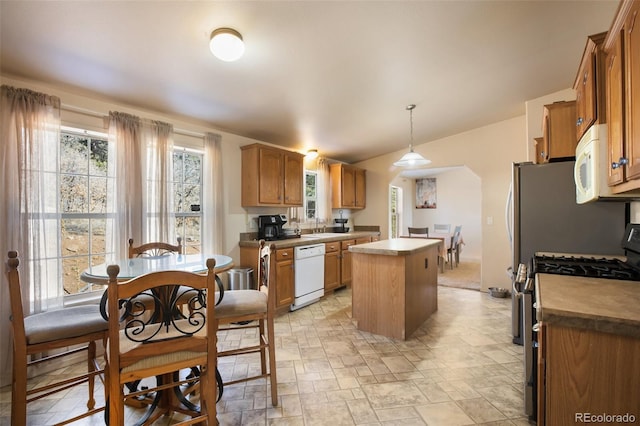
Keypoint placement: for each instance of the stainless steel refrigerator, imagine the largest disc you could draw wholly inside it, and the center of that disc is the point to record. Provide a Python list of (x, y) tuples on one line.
[(542, 215)]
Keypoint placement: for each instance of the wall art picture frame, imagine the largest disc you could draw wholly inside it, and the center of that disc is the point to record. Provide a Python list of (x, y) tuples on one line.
[(426, 193)]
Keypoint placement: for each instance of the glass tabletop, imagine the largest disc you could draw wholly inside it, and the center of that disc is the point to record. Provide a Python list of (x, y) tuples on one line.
[(131, 268)]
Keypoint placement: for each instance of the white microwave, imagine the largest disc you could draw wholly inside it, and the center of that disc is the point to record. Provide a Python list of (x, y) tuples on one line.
[(591, 171)]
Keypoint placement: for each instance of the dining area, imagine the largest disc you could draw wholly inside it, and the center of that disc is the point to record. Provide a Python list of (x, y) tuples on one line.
[(150, 344), (451, 242)]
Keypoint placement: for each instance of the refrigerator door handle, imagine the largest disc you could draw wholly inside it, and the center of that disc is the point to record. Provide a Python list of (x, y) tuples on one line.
[(507, 214)]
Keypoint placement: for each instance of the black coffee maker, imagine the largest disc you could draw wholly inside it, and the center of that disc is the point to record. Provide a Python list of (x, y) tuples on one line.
[(270, 226)]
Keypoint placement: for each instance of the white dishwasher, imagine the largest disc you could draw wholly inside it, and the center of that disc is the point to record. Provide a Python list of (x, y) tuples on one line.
[(309, 275)]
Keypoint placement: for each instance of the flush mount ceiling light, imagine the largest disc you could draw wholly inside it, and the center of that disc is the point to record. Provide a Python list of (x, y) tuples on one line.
[(226, 44), (411, 158), (312, 153)]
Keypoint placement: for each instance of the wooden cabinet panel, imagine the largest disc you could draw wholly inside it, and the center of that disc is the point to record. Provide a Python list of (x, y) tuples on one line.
[(345, 266), (284, 277), (614, 105), (348, 187), (587, 371), (589, 86), (558, 131), (632, 88), (331, 267), (293, 181), (271, 176)]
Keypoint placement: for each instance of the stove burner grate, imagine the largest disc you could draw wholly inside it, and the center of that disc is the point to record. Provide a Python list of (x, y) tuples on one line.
[(585, 267)]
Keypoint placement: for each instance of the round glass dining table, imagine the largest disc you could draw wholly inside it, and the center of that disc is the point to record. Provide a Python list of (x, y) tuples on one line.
[(131, 268)]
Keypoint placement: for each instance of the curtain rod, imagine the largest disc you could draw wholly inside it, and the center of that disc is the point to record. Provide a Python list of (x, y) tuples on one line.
[(90, 113)]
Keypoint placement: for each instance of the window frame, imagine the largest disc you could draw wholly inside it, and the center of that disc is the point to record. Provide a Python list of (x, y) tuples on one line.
[(93, 292), (314, 173)]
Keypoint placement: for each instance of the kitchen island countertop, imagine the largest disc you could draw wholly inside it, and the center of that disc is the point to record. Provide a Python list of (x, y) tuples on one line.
[(605, 305), (395, 246)]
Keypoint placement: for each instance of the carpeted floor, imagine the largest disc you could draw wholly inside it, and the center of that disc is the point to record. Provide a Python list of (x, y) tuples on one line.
[(466, 275)]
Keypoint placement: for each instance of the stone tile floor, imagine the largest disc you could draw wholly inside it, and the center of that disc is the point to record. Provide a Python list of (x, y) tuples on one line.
[(458, 368)]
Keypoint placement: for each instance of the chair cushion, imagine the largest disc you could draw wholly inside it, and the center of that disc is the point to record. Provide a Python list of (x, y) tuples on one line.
[(241, 302), (164, 334), (63, 324)]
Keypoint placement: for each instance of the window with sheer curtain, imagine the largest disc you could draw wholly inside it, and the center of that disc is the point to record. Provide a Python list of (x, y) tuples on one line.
[(71, 198)]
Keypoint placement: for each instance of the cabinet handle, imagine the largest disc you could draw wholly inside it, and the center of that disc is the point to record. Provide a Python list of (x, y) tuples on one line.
[(579, 121), (621, 162), (285, 254), (584, 79), (633, 21)]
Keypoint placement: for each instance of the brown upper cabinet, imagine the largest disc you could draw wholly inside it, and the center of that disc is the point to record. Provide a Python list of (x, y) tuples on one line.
[(558, 131), (271, 176), (622, 48), (589, 85), (348, 187)]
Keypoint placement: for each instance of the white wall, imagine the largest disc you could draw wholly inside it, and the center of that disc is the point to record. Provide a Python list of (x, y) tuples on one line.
[(458, 201)]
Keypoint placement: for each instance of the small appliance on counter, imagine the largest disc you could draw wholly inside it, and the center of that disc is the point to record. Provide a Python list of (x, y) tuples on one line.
[(341, 221), (270, 227)]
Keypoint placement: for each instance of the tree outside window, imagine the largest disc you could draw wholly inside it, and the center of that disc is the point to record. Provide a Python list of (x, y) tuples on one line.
[(310, 194)]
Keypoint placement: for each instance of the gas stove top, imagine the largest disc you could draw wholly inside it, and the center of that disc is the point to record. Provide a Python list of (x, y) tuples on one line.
[(596, 266), (585, 266)]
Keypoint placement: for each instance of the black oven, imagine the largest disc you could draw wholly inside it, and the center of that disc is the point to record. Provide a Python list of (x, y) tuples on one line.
[(605, 267)]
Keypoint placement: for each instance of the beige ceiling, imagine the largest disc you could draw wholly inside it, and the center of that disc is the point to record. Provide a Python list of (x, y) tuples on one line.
[(332, 75)]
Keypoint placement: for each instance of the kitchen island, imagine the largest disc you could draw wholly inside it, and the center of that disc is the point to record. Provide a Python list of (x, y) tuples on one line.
[(394, 285)]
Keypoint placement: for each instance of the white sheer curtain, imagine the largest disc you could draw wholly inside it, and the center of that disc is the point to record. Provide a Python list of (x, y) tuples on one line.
[(30, 137), (323, 191), (213, 225), (160, 226), (144, 174), (125, 136)]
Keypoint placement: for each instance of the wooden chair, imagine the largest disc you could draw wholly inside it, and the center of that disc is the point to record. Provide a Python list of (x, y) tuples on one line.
[(240, 309), (154, 249), (442, 228), (452, 251), (419, 232), (160, 343), (44, 332)]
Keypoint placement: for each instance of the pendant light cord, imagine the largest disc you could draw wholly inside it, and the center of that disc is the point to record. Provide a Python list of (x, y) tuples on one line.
[(410, 108)]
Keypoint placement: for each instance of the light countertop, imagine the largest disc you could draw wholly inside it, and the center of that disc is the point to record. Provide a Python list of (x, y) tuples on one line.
[(395, 246), (307, 239), (610, 306)]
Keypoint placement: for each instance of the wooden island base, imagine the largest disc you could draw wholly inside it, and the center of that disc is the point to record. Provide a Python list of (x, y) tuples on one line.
[(395, 285)]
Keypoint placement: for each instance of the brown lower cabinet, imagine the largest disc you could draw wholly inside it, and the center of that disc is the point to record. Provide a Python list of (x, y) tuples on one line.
[(337, 268), (332, 266), (586, 373)]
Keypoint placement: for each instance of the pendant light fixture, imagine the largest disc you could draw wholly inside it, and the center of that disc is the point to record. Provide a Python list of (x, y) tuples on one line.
[(411, 158)]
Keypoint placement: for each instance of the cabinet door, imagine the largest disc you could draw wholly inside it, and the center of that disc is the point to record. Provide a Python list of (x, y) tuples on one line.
[(615, 121), (345, 267), (360, 189), (284, 277), (632, 88), (348, 187), (559, 130), (293, 170), (270, 169), (585, 96), (331, 270)]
